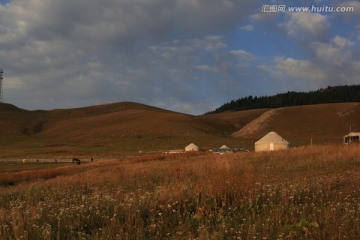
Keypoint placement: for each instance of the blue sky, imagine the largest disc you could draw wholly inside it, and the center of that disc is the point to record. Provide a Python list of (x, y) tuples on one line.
[(189, 56)]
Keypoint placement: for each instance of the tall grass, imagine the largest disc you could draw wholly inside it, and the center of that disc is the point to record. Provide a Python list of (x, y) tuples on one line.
[(305, 193)]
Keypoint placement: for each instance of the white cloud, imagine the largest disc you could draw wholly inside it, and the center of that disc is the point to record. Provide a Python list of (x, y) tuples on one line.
[(305, 24), (303, 69), (247, 27), (242, 54), (342, 42), (214, 43), (333, 63)]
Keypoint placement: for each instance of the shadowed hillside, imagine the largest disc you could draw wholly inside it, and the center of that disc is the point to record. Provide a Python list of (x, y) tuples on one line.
[(119, 127), (119, 119), (17, 121), (132, 119)]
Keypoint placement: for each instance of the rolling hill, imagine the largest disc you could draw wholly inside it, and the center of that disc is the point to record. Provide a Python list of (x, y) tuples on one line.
[(127, 128), (112, 128), (325, 123)]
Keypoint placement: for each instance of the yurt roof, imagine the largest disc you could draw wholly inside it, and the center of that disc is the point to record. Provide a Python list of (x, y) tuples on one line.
[(272, 137), (191, 145), (353, 134), (224, 147)]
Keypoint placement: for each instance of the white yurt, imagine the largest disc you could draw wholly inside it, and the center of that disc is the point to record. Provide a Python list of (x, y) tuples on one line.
[(191, 147), (271, 142)]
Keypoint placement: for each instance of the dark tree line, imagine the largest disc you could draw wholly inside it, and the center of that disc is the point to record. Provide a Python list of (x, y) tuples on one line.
[(338, 94)]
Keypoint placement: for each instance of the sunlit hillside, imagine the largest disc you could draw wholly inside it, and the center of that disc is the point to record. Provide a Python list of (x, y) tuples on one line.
[(324, 123)]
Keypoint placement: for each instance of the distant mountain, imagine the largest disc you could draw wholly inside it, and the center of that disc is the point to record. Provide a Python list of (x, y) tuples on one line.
[(337, 94)]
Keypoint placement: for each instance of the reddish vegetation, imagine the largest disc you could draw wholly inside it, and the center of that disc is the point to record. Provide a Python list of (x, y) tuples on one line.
[(304, 193)]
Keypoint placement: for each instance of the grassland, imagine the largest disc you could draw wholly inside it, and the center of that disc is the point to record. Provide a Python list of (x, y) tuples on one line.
[(324, 123), (17, 166), (122, 129), (303, 193), (112, 129)]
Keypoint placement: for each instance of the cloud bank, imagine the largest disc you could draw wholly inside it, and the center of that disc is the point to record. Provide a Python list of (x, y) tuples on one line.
[(185, 55)]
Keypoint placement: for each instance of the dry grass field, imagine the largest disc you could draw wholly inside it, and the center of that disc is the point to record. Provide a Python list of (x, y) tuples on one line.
[(303, 193)]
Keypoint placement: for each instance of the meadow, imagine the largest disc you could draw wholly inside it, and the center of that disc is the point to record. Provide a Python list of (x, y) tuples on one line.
[(302, 193)]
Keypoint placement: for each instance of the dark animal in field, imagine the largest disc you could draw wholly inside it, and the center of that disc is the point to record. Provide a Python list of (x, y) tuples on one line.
[(76, 160)]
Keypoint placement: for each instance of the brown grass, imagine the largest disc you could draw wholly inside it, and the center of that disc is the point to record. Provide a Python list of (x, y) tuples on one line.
[(305, 193), (118, 128), (127, 128), (326, 123)]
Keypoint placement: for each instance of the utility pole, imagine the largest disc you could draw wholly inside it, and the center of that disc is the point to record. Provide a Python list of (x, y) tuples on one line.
[(1, 88)]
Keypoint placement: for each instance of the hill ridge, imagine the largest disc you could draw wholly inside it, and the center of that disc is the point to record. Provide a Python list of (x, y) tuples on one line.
[(131, 127), (336, 94)]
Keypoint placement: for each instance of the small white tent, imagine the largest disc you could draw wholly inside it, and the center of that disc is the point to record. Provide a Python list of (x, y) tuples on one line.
[(271, 142), (353, 137), (224, 147), (191, 147)]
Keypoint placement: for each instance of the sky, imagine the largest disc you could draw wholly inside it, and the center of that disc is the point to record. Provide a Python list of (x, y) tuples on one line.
[(189, 56)]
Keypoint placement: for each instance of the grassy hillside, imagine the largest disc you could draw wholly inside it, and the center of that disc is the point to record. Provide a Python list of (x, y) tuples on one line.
[(237, 119), (112, 129), (129, 128), (325, 123), (303, 193), (125, 121), (17, 121)]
